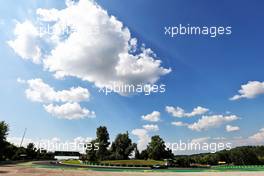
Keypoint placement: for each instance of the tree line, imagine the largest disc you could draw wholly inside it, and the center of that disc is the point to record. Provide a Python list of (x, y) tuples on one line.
[(244, 155), (9, 151), (122, 148)]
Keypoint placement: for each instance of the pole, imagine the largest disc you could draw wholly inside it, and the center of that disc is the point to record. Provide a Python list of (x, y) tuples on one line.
[(23, 137)]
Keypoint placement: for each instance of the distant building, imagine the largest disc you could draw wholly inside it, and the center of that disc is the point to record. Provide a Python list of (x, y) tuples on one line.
[(221, 162), (168, 162), (66, 155)]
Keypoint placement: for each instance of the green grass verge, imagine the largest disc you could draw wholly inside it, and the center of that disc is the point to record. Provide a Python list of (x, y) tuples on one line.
[(130, 163), (77, 162), (133, 162)]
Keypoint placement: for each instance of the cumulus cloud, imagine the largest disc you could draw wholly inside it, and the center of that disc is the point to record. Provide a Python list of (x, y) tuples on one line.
[(258, 137), (21, 81), (230, 128), (26, 44), (179, 123), (151, 127), (200, 140), (143, 138), (207, 122), (250, 90), (179, 112), (255, 139), (69, 111), (81, 139), (98, 49), (152, 117), (38, 91)]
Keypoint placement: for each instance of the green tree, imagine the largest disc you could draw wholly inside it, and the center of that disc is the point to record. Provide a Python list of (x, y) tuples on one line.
[(20, 151), (10, 151), (31, 151), (102, 138), (3, 131), (91, 152), (183, 161), (244, 156), (122, 147), (137, 153), (144, 154), (157, 149), (3, 143)]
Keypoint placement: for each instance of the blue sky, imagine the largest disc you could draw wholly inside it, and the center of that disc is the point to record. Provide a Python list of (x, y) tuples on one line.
[(205, 71)]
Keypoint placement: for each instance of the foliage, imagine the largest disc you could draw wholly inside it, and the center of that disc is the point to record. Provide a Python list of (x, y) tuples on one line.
[(122, 147), (3, 131), (246, 155), (157, 149), (9, 151), (3, 143), (91, 152), (137, 153)]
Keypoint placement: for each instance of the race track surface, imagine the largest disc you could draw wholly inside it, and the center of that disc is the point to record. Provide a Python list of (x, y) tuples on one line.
[(28, 170)]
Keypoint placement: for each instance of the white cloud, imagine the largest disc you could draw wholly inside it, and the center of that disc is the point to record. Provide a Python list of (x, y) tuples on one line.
[(69, 111), (207, 122), (151, 127), (255, 139), (39, 91), (179, 112), (56, 140), (250, 90), (21, 81), (2, 22), (200, 140), (53, 144), (143, 138), (152, 117), (258, 137), (26, 44), (73, 94), (17, 141), (176, 112), (197, 111), (179, 124), (99, 49), (230, 128), (81, 139)]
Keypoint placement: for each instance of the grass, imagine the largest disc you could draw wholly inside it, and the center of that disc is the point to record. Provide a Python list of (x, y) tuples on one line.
[(143, 163), (151, 162), (120, 162), (132, 162), (240, 168), (77, 162)]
